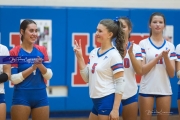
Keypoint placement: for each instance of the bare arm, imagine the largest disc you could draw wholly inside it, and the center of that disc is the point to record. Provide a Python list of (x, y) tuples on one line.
[(28, 71), (78, 52), (42, 68), (147, 67), (135, 63), (117, 99), (177, 66), (170, 64)]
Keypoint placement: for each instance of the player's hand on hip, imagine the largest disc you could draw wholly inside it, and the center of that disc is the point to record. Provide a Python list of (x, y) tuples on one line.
[(78, 49), (165, 53), (114, 115)]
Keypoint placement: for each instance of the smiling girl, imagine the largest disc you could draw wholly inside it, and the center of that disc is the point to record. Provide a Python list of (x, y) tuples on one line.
[(30, 95), (157, 66), (104, 72)]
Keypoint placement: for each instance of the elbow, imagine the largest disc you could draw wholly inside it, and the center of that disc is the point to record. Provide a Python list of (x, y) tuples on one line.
[(48, 75), (16, 78), (171, 73)]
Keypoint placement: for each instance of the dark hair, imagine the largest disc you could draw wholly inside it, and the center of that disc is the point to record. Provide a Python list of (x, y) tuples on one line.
[(128, 22), (156, 14), (116, 28), (24, 25)]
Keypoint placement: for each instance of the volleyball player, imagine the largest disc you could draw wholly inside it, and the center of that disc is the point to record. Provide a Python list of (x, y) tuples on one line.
[(5, 72), (29, 96), (132, 65), (158, 65), (104, 72)]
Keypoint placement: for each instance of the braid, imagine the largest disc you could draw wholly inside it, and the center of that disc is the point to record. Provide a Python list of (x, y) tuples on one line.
[(120, 39)]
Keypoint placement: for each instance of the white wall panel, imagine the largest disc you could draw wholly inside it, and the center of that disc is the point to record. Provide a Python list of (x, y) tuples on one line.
[(172, 4)]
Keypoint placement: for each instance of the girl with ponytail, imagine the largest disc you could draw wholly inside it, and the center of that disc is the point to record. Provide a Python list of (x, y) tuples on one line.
[(104, 72)]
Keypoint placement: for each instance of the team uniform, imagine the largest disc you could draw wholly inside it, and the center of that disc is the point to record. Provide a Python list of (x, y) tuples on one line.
[(3, 52), (32, 91), (156, 82), (178, 60), (102, 67), (130, 92)]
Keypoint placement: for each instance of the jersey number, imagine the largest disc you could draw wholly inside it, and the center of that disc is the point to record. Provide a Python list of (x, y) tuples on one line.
[(160, 61), (93, 67), (126, 63)]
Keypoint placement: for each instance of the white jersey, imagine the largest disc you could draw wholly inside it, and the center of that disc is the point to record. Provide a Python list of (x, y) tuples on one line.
[(156, 81), (3, 52), (129, 73), (178, 56), (102, 67)]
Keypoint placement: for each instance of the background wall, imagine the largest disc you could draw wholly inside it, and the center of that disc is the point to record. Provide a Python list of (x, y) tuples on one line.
[(59, 26)]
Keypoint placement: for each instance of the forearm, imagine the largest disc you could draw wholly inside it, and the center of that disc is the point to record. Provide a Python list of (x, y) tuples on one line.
[(169, 67), (117, 101), (135, 63), (147, 67), (28, 71), (81, 63), (42, 68)]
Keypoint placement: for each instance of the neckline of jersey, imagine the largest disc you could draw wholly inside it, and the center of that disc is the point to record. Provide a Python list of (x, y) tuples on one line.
[(155, 45), (99, 55), (28, 52)]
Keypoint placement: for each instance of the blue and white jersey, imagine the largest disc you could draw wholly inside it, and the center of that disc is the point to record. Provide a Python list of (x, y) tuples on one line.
[(156, 81), (35, 80), (178, 56), (129, 73), (102, 67), (3, 52)]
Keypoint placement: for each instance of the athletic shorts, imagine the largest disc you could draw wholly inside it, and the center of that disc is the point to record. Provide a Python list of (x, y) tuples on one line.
[(33, 98), (2, 98), (104, 105), (130, 100), (178, 92), (152, 95)]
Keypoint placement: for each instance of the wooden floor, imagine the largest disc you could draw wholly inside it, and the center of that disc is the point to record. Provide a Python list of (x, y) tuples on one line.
[(172, 117)]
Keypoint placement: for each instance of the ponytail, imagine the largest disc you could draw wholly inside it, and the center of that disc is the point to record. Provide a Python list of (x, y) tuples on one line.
[(120, 39)]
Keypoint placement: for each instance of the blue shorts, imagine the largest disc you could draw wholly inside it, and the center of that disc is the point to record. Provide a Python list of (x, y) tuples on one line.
[(104, 105), (130, 100), (33, 98), (152, 95), (2, 98), (178, 92)]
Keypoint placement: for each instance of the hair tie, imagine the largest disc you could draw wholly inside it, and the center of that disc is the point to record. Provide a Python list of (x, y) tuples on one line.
[(116, 20)]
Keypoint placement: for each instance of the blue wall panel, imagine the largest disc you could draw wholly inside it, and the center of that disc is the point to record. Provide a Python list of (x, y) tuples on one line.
[(10, 21), (65, 22)]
